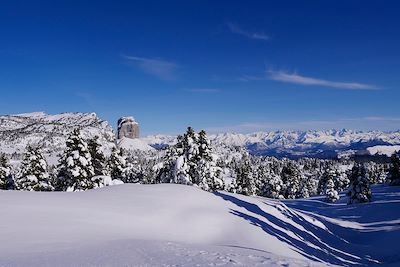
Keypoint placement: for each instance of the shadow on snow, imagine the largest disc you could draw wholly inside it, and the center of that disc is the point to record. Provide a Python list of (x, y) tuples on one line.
[(314, 243)]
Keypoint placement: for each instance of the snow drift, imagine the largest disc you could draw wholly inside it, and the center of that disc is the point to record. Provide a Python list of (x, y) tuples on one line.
[(170, 224)]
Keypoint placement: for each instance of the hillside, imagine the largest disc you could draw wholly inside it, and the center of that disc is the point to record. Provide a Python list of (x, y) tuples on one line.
[(49, 131), (170, 225)]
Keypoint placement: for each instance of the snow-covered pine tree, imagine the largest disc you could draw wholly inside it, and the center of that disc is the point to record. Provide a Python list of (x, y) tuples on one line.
[(245, 182), (359, 191), (6, 179), (34, 175), (191, 153), (304, 191), (261, 178), (394, 171), (273, 186), (382, 175), (209, 174), (182, 171), (75, 168), (117, 164), (331, 194), (328, 174), (341, 180), (291, 179), (97, 154), (204, 146), (165, 170), (133, 171)]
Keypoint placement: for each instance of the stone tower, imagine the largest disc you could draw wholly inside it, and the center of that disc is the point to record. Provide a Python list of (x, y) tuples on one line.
[(127, 127)]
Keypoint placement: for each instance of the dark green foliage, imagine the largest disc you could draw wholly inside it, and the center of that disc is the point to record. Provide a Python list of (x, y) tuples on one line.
[(75, 169), (394, 171), (359, 191), (98, 158), (6, 179), (34, 175)]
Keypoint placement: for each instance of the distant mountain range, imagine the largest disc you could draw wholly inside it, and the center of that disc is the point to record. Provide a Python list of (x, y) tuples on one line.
[(51, 131), (294, 144)]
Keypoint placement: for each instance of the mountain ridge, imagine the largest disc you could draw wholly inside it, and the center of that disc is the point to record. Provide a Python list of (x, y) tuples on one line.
[(50, 131)]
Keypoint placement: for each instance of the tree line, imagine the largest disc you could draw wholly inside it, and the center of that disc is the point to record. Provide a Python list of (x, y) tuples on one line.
[(193, 160)]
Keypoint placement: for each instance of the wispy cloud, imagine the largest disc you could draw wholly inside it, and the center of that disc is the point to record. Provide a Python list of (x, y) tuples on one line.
[(162, 69), (202, 90), (252, 35), (303, 80)]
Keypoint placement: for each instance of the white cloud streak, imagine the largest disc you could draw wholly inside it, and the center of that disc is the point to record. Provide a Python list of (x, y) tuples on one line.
[(252, 35), (162, 69), (303, 80)]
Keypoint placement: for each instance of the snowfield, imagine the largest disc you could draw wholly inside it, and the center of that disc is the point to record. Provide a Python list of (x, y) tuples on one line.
[(177, 225), (383, 150)]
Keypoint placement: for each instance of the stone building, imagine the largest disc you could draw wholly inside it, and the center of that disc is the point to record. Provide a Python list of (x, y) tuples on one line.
[(127, 127)]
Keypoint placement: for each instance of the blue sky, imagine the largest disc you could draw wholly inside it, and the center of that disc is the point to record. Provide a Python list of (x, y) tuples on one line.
[(240, 66)]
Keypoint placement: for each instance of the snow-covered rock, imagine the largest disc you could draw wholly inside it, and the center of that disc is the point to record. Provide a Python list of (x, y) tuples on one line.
[(49, 132)]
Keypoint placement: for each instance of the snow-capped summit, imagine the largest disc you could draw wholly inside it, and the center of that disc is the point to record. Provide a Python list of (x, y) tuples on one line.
[(312, 143)]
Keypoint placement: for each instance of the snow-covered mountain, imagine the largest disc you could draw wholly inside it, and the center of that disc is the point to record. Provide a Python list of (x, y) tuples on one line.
[(313, 143), (49, 131)]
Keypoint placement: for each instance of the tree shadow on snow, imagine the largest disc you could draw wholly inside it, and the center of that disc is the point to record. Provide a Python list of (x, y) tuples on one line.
[(313, 242)]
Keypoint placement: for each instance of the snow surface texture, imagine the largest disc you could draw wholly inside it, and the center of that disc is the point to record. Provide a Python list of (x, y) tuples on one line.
[(176, 225)]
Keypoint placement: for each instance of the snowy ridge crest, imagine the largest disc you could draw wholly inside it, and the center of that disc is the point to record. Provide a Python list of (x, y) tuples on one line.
[(312, 143), (49, 132)]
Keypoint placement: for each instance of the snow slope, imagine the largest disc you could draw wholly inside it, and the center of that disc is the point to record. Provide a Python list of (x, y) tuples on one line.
[(383, 150), (170, 225), (133, 144), (49, 131)]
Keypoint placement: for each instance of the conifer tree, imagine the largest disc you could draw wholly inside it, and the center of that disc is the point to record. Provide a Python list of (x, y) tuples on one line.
[(117, 164), (245, 182), (329, 174), (305, 184), (191, 153), (331, 194), (6, 179), (341, 181), (166, 169), (76, 169), (98, 158), (273, 186), (204, 146), (34, 175), (359, 191), (394, 171), (291, 178), (209, 174), (182, 171)]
